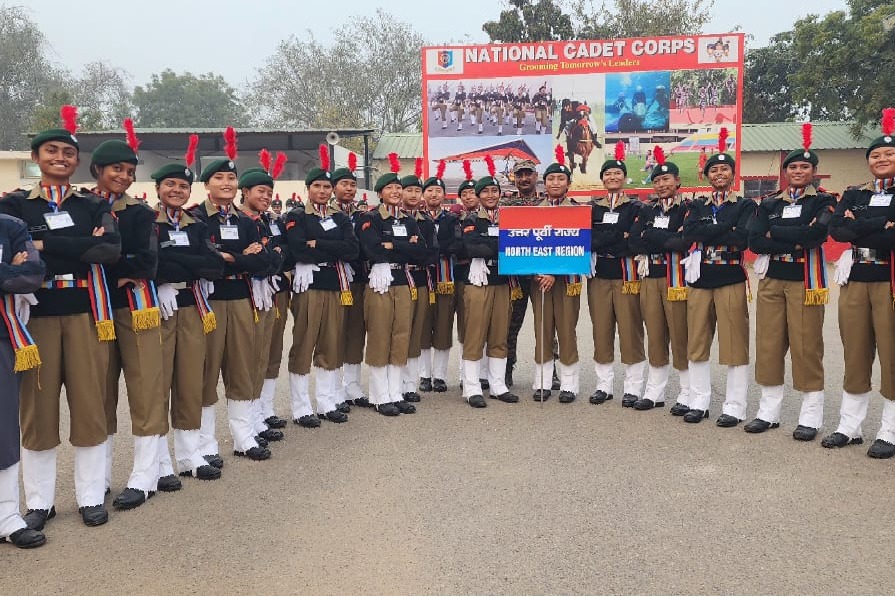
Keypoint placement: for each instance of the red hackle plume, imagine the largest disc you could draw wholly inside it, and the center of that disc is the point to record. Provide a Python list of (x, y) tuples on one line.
[(560, 155), (620, 151), (278, 165), (439, 173), (230, 143), (394, 163), (888, 122), (264, 159), (352, 162), (492, 170), (467, 169), (806, 136), (69, 115), (659, 154), (190, 155), (722, 140), (131, 135), (323, 150), (418, 168)]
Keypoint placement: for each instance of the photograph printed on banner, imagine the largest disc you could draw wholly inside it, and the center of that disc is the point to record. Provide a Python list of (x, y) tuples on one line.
[(703, 97), (637, 102), (579, 125)]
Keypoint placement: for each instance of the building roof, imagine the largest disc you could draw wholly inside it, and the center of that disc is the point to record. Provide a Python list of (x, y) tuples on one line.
[(786, 136), (406, 145)]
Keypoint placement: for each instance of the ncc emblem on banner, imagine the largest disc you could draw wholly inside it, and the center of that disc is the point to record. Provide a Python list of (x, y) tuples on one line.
[(445, 59), (440, 62)]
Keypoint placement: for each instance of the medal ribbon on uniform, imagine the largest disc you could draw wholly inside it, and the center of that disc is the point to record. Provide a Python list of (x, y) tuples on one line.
[(881, 184), (796, 194), (816, 290), (101, 302), (515, 288), (108, 195), (430, 285), (173, 214), (55, 195), (410, 283), (630, 277), (143, 302), (674, 277), (346, 299), (27, 355), (444, 275), (209, 320)]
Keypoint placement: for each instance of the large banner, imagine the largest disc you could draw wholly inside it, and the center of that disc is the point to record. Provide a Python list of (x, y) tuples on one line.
[(544, 240), (517, 101)]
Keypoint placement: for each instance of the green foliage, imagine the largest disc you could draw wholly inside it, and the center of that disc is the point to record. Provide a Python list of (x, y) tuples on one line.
[(172, 100), (767, 93), (527, 20)]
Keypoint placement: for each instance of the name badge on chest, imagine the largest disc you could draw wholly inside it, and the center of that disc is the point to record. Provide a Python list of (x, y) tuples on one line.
[(493, 230), (229, 232), (661, 222), (399, 230), (610, 217), (58, 220), (327, 224), (792, 211), (275, 229), (880, 200), (179, 238)]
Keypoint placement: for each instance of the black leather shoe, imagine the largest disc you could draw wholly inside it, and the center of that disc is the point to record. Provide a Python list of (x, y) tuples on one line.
[(271, 435), (206, 472), (508, 376), (759, 426), (170, 483), (363, 402), (129, 499), (275, 422), (484, 383), (839, 440), (565, 397), (881, 449), (696, 416), (541, 395), (336, 416), (804, 434), (439, 385), (309, 421), (343, 407), (628, 400), (555, 385), (730, 421), (410, 397), (425, 384), (679, 410), (255, 453), (404, 407), (507, 397), (36, 519), (477, 401), (388, 409), (261, 441), (94, 516), (26, 538), (599, 397), (646, 404), (214, 460)]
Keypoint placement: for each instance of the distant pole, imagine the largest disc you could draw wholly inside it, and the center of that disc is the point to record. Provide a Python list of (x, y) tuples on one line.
[(366, 161)]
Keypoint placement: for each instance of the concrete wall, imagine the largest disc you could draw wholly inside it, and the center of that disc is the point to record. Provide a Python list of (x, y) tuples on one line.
[(845, 167)]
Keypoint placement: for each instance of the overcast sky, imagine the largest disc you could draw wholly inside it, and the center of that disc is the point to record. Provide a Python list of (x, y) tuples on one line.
[(234, 37)]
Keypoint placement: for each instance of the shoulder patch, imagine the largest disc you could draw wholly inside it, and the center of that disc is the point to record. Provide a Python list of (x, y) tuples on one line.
[(468, 228), (366, 225), (290, 224)]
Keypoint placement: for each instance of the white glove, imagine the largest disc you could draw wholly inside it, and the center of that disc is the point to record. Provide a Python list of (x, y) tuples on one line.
[(843, 267), (23, 304), (642, 265), (349, 272), (259, 292), (380, 277), (593, 265), (303, 276), (478, 272), (760, 267), (692, 266), (274, 282), (206, 287), (268, 291), (167, 300)]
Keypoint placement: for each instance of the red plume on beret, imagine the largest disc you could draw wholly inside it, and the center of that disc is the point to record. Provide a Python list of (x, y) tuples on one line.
[(888, 121), (806, 136), (230, 143), (467, 169), (489, 161), (69, 115), (352, 162), (131, 135), (279, 165), (418, 168), (620, 151), (323, 151), (560, 155), (659, 154), (394, 163), (722, 140), (264, 159), (190, 155), (439, 173)]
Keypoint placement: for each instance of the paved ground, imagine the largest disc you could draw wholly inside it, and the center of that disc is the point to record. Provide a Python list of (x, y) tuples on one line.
[(510, 499)]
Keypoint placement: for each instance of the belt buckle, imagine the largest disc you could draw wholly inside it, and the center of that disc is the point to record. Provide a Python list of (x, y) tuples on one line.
[(865, 254), (64, 278)]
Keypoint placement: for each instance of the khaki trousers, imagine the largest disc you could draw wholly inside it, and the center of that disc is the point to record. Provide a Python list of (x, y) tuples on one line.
[(387, 317), (725, 307), (72, 356), (560, 318), (318, 317), (666, 323), (355, 335), (267, 320), (275, 354), (611, 309), (421, 319), (867, 328), (440, 334), (785, 323), (488, 311), (183, 360), (230, 352), (458, 302)]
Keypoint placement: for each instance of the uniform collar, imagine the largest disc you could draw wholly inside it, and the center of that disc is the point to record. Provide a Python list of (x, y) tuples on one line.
[(38, 193), (675, 201), (383, 211), (731, 197), (546, 202), (808, 191), (330, 210), (162, 218), (124, 201), (622, 199)]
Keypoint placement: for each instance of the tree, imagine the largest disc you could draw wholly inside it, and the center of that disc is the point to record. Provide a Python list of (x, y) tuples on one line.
[(641, 18), (767, 93), (527, 20), (102, 95), (187, 101), (369, 77)]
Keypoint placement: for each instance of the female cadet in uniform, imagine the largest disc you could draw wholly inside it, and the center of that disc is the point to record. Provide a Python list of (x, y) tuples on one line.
[(469, 203), (186, 256), (613, 291), (657, 237), (75, 234), (788, 232), (390, 239), (717, 295), (322, 241), (865, 217)]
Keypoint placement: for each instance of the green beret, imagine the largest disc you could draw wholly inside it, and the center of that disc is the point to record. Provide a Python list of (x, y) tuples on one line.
[(411, 181), (343, 173), (215, 167), (719, 158), (613, 163), (666, 168), (434, 182), (113, 152), (801, 155), (254, 177), (54, 135), (385, 180), (315, 174), (173, 171), (557, 168), (485, 181), (466, 184), (884, 141)]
